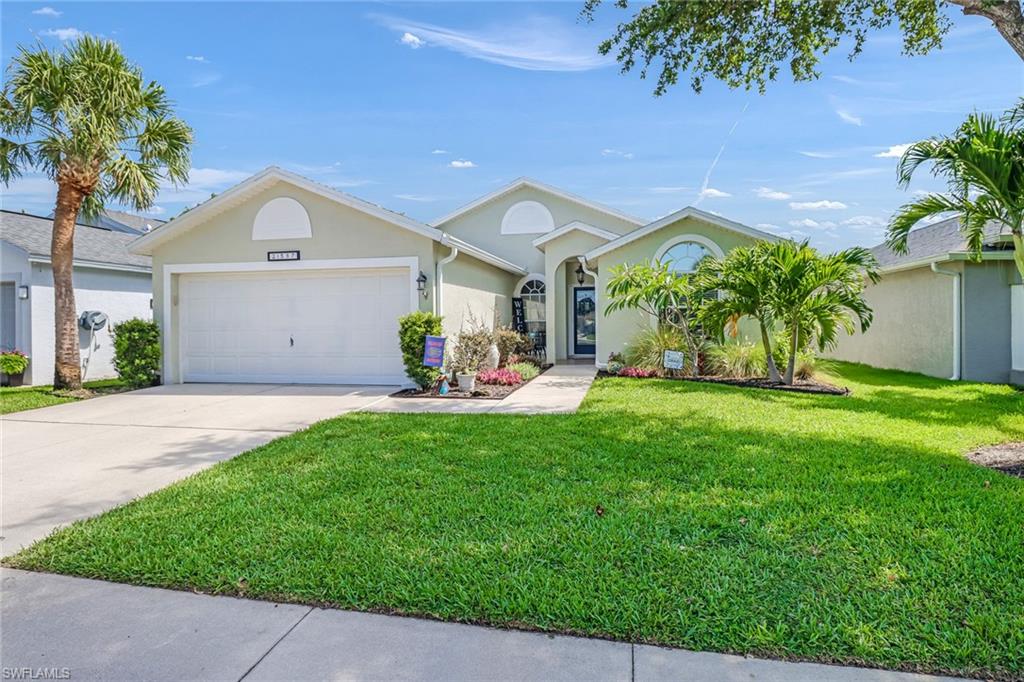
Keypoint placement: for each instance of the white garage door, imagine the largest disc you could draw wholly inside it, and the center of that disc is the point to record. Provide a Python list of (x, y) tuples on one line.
[(293, 327)]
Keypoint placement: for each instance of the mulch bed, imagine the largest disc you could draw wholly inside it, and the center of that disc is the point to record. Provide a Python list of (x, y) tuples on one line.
[(1005, 457), (800, 386), (481, 392)]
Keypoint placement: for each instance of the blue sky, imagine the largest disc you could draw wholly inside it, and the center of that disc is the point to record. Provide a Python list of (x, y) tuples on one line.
[(423, 107)]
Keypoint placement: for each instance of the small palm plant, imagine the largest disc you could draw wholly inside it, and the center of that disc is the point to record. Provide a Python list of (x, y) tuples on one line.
[(983, 164), (814, 296), (88, 120)]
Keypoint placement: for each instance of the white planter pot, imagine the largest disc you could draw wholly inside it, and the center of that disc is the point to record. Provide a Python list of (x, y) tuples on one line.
[(467, 382)]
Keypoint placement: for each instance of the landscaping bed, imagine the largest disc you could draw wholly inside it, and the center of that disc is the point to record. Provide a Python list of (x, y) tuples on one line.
[(481, 392), (798, 386), (845, 529)]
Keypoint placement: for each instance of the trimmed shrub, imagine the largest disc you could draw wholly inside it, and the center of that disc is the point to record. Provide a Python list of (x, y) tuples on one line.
[(137, 352), (470, 351), (526, 370), (413, 330), (13, 362), (509, 342), (500, 377)]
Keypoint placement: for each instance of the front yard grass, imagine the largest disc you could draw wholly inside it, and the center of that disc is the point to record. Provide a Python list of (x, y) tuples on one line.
[(16, 399), (845, 529)]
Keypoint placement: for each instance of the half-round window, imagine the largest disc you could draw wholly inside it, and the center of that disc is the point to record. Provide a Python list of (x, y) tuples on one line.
[(684, 257)]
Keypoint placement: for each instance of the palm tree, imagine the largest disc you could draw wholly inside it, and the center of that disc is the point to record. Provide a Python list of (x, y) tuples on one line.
[(813, 296), (740, 280), (983, 164), (86, 118)]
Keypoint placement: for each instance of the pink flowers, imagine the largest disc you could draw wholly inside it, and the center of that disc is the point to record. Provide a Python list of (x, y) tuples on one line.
[(637, 372), (500, 377)]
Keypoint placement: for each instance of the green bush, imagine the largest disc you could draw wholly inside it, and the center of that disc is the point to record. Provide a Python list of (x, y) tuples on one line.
[(137, 352), (527, 370), (509, 343), (647, 349), (746, 360), (471, 348), (13, 362), (412, 332)]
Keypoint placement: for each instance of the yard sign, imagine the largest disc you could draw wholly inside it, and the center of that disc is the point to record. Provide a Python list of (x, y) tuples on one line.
[(673, 359), (433, 351)]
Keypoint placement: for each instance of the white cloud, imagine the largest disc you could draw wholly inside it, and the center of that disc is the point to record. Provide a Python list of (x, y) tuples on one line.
[(202, 182), (462, 163), (712, 193), (63, 34), (819, 155), (534, 44), (823, 205), (773, 194), (156, 210), (47, 12), (813, 224), (196, 58), (846, 117), (411, 40), (417, 197), (617, 152), (440, 151), (865, 221), (766, 226), (894, 152)]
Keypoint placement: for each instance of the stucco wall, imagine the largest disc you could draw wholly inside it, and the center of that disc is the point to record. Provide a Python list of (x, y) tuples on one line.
[(121, 295), (475, 292), (339, 232), (912, 327), (986, 323), (617, 329), (482, 226), (560, 276)]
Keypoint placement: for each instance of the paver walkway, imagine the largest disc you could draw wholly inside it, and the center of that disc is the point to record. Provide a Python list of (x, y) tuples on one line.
[(559, 390), (105, 631)]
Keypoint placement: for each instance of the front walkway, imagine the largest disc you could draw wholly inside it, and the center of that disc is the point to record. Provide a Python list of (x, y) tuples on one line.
[(559, 390), (97, 630)]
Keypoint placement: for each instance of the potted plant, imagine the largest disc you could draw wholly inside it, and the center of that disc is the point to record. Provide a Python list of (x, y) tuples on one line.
[(469, 355), (13, 364)]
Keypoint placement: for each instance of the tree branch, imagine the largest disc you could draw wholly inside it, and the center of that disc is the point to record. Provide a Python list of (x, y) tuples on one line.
[(1004, 14)]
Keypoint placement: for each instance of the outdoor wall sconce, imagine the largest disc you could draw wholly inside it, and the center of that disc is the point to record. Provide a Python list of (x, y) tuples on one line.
[(23, 292), (579, 273), (421, 284)]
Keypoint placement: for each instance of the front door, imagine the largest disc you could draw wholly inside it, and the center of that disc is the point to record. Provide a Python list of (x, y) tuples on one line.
[(584, 321)]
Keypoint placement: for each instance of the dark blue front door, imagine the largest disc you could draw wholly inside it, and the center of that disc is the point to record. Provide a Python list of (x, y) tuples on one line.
[(584, 321)]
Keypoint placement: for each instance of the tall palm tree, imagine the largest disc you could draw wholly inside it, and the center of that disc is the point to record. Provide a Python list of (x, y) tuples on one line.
[(740, 280), (86, 118), (813, 296), (983, 164)]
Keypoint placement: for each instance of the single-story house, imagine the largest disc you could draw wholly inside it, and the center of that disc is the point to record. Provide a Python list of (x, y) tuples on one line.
[(282, 279), (107, 278), (938, 312)]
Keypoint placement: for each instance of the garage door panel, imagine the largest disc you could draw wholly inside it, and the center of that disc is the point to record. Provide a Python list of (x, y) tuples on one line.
[(309, 327)]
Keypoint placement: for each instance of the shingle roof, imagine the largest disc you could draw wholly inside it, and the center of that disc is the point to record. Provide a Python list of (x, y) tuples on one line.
[(936, 240), (119, 221), (93, 244)]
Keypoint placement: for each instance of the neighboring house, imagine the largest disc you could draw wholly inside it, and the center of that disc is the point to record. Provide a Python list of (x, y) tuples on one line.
[(281, 279), (938, 312), (107, 279)]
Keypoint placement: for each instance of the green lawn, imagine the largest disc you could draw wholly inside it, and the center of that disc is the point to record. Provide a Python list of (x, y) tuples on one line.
[(30, 397), (702, 516)]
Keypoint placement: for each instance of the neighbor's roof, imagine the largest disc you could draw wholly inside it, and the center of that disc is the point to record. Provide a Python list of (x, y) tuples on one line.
[(249, 187), (688, 212), (938, 241), (538, 185), (94, 246)]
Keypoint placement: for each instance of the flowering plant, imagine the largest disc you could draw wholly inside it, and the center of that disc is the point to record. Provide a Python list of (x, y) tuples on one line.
[(500, 377), (637, 372)]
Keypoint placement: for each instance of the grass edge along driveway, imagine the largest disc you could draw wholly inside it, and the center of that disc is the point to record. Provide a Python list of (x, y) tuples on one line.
[(838, 529), (20, 398)]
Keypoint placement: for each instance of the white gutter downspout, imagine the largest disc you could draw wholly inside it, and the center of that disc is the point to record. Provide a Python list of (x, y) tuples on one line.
[(957, 332), (439, 274)]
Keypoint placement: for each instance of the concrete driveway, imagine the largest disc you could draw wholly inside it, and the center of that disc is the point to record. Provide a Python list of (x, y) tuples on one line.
[(73, 461)]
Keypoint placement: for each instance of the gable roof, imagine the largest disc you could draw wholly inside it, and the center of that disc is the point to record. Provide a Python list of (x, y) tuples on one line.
[(271, 175), (574, 226), (536, 184), (688, 212), (938, 241), (94, 246)]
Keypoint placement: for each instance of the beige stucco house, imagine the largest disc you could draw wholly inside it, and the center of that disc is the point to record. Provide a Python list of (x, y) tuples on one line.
[(281, 279)]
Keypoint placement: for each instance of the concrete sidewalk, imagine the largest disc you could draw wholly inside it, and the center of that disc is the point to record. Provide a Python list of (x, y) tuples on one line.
[(95, 630), (559, 390)]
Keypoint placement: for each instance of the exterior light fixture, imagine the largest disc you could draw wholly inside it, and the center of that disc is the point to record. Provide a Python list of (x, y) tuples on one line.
[(421, 284), (23, 292), (579, 273)]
